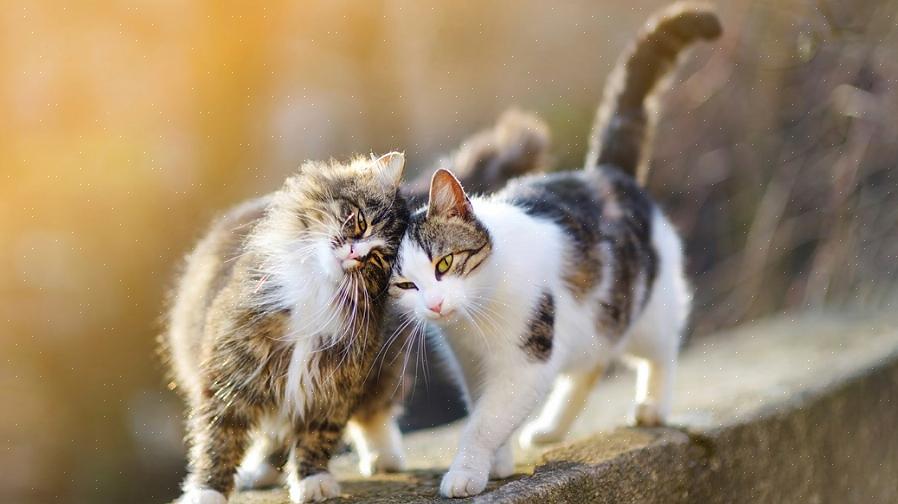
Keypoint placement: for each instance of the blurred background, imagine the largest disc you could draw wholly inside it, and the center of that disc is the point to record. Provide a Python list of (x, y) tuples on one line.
[(129, 124)]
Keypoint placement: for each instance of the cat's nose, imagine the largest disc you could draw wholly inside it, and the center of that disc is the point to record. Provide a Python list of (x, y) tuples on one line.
[(436, 307), (353, 253)]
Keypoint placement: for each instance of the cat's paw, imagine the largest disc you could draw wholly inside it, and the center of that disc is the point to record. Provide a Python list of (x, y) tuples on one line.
[(648, 415), (260, 475), (535, 434), (314, 488), (202, 496), (462, 483), (387, 461), (503, 464)]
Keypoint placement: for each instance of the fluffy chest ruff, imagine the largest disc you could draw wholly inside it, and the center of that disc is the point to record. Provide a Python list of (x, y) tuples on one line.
[(323, 371), (333, 340), (307, 361)]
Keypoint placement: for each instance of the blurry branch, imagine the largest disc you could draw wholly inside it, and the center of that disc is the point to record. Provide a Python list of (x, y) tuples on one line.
[(791, 198)]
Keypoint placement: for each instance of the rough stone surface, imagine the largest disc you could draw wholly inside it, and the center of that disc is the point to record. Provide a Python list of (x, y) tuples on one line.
[(789, 410)]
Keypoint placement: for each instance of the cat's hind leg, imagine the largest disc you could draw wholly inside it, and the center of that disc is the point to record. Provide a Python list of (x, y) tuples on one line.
[(264, 463), (378, 441), (654, 391), (566, 401), (653, 347), (654, 340)]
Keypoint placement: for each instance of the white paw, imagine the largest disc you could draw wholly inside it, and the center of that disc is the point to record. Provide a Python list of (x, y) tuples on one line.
[(535, 434), (202, 496), (462, 483), (314, 488), (648, 415), (390, 461), (261, 475), (503, 464)]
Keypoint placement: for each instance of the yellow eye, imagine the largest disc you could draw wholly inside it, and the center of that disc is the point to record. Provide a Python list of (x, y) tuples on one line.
[(444, 264), (360, 222), (406, 285)]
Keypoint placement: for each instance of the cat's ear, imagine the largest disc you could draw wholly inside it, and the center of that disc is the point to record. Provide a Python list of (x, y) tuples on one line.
[(389, 168), (447, 198)]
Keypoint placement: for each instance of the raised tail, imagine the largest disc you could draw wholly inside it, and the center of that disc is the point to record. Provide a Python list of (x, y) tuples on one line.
[(625, 121), (518, 144)]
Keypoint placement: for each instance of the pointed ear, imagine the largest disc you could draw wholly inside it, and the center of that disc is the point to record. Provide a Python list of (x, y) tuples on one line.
[(447, 198), (389, 168)]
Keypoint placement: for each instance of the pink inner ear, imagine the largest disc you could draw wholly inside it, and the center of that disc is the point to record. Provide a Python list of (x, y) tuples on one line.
[(447, 196)]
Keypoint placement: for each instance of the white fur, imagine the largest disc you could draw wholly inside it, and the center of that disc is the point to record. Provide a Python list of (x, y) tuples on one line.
[(314, 488), (378, 442), (313, 315), (485, 315), (202, 496), (257, 473)]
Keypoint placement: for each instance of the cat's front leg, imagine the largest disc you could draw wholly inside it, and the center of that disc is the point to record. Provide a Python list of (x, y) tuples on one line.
[(503, 462), (310, 479), (502, 406), (218, 436)]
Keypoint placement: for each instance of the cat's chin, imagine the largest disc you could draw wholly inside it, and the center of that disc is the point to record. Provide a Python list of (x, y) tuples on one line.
[(331, 270), (445, 318)]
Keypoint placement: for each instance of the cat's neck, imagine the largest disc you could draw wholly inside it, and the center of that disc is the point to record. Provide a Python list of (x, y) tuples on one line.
[(290, 278), (527, 251)]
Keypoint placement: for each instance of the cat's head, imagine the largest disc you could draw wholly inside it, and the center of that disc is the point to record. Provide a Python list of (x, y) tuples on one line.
[(347, 218), (438, 276)]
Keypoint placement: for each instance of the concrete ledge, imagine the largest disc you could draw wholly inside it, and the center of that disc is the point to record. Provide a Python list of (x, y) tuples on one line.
[(789, 410)]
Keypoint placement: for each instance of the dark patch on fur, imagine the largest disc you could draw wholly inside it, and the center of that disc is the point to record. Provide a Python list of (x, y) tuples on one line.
[(608, 218), (541, 329)]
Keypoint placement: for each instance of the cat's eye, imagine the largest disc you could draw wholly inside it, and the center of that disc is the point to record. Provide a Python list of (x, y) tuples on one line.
[(444, 264), (406, 285), (360, 222)]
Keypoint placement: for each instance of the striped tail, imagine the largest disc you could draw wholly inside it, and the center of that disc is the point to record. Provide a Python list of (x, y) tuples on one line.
[(625, 121)]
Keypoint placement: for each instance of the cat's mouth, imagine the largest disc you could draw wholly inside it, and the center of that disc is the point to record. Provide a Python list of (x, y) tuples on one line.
[(442, 316), (349, 264)]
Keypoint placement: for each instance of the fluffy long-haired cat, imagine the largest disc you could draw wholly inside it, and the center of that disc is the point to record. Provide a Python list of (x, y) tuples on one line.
[(275, 328), (551, 279), (276, 320)]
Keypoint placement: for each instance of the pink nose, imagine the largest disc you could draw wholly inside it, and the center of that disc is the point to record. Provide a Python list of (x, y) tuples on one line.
[(352, 253), (436, 307)]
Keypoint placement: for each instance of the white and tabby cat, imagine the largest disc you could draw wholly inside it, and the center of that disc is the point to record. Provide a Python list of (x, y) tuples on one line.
[(555, 276)]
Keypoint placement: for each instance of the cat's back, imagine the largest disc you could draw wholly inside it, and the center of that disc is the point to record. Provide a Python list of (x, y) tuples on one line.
[(607, 219), (589, 204), (206, 271)]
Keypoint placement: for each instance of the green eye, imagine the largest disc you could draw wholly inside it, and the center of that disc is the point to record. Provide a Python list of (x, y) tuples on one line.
[(406, 285), (444, 264)]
